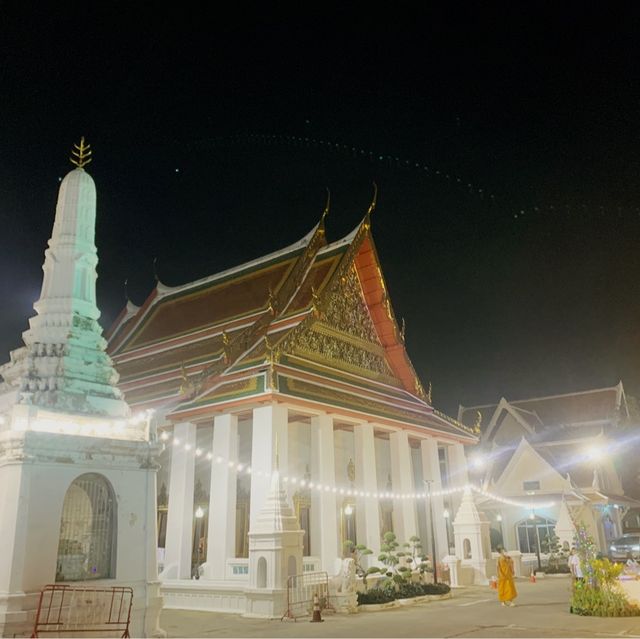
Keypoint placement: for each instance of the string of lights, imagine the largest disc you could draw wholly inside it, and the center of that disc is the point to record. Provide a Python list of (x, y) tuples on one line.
[(348, 491), (425, 170)]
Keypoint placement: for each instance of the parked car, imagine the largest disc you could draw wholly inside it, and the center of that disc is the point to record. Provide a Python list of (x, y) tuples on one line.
[(620, 548)]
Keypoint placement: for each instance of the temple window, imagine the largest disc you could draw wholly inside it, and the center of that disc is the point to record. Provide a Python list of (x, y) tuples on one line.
[(532, 533), (86, 547)]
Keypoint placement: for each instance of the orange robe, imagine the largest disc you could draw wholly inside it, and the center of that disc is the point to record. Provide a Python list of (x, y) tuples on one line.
[(506, 584)]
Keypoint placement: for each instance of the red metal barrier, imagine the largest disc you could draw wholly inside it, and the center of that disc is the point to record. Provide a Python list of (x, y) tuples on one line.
[(67, 609)]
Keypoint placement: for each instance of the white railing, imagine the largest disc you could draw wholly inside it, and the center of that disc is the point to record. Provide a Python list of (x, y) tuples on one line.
[(237, 569), (311, 564)]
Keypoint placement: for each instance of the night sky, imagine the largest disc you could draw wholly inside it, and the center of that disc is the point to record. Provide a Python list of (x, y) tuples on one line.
[(504, 140)]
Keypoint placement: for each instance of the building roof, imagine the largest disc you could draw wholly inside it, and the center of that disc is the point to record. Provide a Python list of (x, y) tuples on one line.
[(582, 407), (312, 322)]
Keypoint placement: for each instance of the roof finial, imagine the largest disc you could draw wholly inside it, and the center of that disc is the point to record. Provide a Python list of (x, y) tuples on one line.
[(82, 153), (374, 201), (477, 425), (327, 206)]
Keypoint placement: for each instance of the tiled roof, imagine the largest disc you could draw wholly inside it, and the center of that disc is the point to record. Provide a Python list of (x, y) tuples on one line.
[(571, 408), (198, 344)]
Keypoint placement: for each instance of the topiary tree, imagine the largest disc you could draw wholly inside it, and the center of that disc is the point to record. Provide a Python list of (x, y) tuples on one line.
[(390, 556), (416, 557), (357, 552), (551, 545)]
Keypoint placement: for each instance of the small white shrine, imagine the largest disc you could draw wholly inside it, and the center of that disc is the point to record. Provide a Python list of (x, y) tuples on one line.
[(77, 472), (275, 554), (473, 561)]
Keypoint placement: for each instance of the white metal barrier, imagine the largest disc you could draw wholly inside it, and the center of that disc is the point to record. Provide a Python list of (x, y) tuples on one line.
[(301, 590)]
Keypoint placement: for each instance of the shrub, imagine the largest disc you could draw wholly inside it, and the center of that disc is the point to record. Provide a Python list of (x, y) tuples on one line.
[(592, 602), (560, 569), (406, 590), (598, 594), (435, 589), (374, 596)]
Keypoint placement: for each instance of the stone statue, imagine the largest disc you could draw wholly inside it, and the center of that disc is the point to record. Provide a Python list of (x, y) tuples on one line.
[(345, 581)]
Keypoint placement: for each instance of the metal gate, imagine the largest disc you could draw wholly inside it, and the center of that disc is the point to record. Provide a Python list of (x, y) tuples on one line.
[(301, 590), (66, 609)]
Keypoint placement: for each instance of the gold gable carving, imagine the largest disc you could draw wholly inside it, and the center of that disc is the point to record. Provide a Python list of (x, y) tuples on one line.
[(344, 336), (346, 310)]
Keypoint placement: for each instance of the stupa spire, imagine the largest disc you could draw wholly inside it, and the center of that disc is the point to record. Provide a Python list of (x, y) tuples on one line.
[(64, 364)]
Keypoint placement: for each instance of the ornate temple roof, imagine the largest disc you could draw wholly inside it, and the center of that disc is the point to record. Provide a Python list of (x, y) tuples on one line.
[(310, 324)]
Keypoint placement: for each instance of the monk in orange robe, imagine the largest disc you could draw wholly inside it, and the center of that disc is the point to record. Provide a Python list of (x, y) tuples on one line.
[(506, 584)]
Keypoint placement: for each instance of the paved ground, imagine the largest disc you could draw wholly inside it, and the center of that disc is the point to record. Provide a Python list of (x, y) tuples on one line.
[(542, 611)]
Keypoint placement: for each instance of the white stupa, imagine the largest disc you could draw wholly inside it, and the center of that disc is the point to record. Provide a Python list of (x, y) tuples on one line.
[(63, 364), (77, 472)]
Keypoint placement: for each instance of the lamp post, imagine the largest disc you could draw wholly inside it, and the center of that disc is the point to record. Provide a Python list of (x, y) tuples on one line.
[(428, 482), (533, 517), (446, 516), (199, 515)]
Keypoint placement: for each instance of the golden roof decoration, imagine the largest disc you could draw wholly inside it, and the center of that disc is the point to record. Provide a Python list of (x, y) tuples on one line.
[(272, 303), (82, 153), (316, 303), (186, 386), (478, 422), (374, 201), (327, 206)]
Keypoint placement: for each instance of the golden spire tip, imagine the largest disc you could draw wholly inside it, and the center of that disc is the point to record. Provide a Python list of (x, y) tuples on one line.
[(326, 207), (81, 154), (374, 201)]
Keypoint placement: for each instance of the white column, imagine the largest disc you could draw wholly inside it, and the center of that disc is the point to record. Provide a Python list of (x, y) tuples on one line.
[(324, 522), (458, 474), (431, 470), (221, 538), (404, 510), (267, 421), (458, 465), (367, 511), (180, 516)]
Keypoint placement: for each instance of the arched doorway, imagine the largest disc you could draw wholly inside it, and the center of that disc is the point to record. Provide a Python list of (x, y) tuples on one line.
[(261, 579), (88, 526)]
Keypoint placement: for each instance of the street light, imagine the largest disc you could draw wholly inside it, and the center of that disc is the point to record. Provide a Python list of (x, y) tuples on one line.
[(533, 517), (199, 515), (428, 482), (446, 516)]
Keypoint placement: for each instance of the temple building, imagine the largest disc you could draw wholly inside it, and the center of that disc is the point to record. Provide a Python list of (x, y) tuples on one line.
[(295, 355), (558, 458)]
